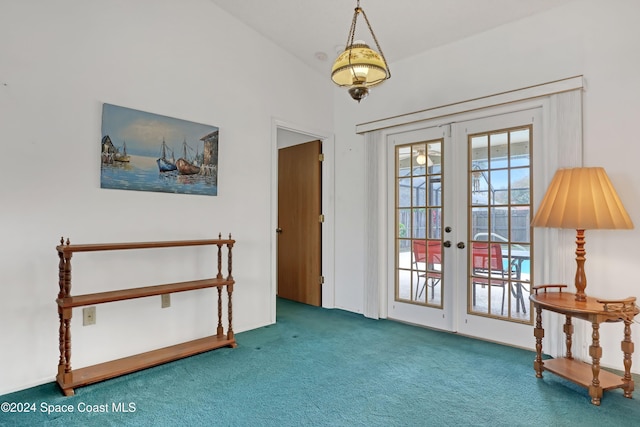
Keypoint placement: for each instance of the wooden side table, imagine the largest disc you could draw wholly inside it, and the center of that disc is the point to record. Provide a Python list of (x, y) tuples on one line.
[(595, 311)]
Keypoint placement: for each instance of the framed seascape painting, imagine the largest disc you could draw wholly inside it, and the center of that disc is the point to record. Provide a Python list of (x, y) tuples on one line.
[(148, 152)]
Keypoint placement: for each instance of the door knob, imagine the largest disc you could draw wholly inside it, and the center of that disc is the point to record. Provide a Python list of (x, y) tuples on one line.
[(460, 245), (278, 230), (447, 229), (447, 244)]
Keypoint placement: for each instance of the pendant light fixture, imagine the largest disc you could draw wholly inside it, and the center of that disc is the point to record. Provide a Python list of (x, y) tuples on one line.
[(359, 67)]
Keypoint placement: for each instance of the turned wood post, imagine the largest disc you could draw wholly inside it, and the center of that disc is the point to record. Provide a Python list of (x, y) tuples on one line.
[(538, 332), (229, 293), (595, 351), (219, 275), (64, 315), (220, 330), (581, 277), (568, 331), (61, 334), (230, 258), (627, 349)]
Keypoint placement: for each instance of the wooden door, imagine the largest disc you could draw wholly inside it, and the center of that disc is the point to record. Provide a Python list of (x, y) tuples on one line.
[(299, 226)]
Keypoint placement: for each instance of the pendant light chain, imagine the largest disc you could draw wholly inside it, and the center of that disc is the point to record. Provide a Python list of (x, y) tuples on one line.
[(352, 33), (352, 30), (375, 39)]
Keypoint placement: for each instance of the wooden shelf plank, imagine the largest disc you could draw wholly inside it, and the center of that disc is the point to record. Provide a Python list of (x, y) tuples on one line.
[(141, 245), (581, 374), (125, 294), (115, 368)]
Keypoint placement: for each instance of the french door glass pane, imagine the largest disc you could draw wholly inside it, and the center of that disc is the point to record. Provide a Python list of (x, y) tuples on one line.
[(519, 152), (499, 271), (404, 194), (418, 188), (520, 182), (404, 223)]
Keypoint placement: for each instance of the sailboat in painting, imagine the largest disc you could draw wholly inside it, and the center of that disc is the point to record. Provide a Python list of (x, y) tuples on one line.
[(122, 156), (163, 163), (185, 167)]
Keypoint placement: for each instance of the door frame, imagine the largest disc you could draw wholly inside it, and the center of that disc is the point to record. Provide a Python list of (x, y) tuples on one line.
[(561, 103), (328, 207), (455, 306)]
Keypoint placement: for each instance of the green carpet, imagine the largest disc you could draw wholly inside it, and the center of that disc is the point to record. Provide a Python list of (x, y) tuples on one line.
[(334, 368)]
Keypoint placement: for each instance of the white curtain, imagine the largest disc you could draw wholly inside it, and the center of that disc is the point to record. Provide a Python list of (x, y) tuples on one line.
[(373, 232), (554, 248)]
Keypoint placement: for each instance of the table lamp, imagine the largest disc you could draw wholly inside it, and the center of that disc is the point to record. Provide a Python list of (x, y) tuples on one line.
[(581, 198)]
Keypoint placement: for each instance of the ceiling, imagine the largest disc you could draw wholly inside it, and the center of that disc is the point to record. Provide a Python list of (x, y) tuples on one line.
[(315, 31)]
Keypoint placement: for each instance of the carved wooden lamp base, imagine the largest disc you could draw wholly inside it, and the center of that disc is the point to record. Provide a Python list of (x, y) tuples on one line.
[(581, 277)]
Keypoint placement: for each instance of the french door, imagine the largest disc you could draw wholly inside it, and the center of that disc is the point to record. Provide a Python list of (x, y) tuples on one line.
[(421, 291), (462, 243)]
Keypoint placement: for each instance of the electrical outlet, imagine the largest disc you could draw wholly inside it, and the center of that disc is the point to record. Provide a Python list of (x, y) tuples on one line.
[(88, 316), (165, 300)]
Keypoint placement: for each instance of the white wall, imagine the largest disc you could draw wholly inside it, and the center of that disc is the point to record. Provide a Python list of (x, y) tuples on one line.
[(591, 38), (59, 61)]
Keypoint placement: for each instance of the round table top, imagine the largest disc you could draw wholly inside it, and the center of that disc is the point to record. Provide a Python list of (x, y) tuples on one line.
[(565, 302)]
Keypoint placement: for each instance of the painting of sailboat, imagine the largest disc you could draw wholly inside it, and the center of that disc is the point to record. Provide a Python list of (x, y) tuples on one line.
[(186, 167), (121, 156), (146, 162), (164, 164)]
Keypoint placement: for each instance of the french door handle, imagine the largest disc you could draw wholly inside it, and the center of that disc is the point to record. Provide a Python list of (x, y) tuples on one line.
[(447, 243), (278, 230), (460, 245)]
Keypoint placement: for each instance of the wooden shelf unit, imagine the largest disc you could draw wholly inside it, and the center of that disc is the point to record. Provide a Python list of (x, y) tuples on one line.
[(69, 379), (595, 311)]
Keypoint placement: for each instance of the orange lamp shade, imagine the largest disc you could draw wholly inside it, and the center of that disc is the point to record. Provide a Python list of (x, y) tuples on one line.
[(582, 199)]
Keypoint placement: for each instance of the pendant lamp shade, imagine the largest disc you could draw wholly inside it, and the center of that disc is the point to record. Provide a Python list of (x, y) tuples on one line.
[(359, 64), (359, 67)]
